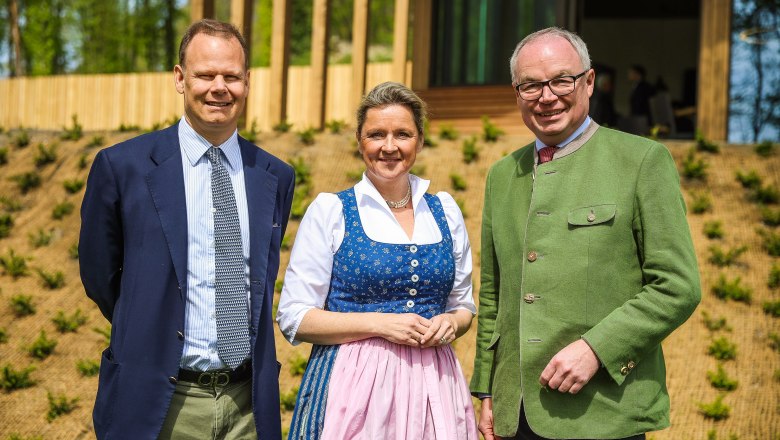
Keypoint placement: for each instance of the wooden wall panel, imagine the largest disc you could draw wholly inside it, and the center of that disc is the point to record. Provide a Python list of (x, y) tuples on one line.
[(713, 85)]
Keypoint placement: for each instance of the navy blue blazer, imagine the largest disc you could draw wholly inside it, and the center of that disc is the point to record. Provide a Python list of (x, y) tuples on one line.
[(133, 262)]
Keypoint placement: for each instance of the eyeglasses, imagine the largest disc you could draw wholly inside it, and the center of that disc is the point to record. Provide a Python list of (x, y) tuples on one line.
[(561, 86)]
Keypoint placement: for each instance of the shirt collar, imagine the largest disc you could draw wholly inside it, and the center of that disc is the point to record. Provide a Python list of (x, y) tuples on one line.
[(195, 146), (365, 190), (577, 132)]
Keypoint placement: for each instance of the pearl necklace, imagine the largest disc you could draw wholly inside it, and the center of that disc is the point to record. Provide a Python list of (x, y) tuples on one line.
[(401, 203)]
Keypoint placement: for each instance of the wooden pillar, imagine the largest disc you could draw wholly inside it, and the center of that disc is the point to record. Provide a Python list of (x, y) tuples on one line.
[(360, 19), (713, 84), (319, 62), (400, 38), (280, 60), (421, 44), (241, 17), (200, 9)]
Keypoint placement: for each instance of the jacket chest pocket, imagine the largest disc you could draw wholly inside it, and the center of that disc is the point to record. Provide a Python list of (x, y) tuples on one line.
[(592, 215)]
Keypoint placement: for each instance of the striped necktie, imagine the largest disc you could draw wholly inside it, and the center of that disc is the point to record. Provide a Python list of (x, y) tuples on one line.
[(546, 154), (230, 298)]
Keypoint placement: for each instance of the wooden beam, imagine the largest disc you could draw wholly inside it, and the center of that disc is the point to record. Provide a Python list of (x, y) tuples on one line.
[(241, 17), (360, 19), (400, 40), (421, 44), (713, 83), (280, 60), (319, 62), (200, 9)]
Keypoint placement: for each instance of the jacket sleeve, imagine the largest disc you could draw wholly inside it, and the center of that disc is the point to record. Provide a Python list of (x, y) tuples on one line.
[(101, 242), (671, 289)]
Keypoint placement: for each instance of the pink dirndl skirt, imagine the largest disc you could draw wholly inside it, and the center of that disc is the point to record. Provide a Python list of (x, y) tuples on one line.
[(382, 390)]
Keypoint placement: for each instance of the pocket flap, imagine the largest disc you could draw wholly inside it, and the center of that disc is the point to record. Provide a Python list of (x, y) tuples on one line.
[(592, 215), (493, 342)]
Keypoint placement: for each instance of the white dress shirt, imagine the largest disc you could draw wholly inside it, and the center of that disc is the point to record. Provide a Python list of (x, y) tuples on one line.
[(307, 279)]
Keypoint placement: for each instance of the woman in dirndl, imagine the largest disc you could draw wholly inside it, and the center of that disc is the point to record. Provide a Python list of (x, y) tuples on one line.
[(379, 282)]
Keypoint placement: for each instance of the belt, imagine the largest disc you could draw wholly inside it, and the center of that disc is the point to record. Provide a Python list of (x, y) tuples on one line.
[(220, 377)]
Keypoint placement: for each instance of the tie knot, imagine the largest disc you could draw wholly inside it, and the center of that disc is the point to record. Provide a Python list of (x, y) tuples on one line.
[(213, 154), (546, 154)]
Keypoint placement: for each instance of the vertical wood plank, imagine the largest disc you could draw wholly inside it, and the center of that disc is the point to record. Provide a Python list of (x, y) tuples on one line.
[(360, 17), (200, 9), (714, 69), (280, 60), (421, 41), (319, 62), (400, 39)]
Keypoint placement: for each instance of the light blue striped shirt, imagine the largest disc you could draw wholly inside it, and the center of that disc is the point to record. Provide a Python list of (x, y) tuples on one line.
[(200, 325)]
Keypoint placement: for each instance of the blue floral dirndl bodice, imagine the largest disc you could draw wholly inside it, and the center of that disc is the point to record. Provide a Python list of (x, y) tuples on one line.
[(371, 276)]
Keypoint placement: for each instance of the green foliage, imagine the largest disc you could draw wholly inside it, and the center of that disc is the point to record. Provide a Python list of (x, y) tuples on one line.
[(700, 203), (282, 127), (42, 347), (60, 405), (462, 205), (88, 367), (767, 195), (720, 380), (470, 149), (72, 186), (713, 229), (3, 155), (73, 251), (749, 180), (300, 201), (302, 171), (773, 281), (22, 138), (40, 238), (307, 136), (14, 265), (3, 335), (772, 308), (105, 332), (22, 305), (702, 144), (335, 125), (355, 175), (770, 217), (6, 223), (61, 209), (52, 281), (448, 132), (427, 139), (10, 205), (722, 258), (490, 132), (776, 375), (74, 132), (458, 182), (764, 149), (694, 167), (45, 155), (771, 242), (716, 410), (774, 341), (16, 379), (123, 128), (418, 170), (27, 181), (725, 290), (298, 365), (83, 161), (722, 349), (286, 242), (96, 141), (251, 134), (287, 400), (278, 285), (714, 324), (69, 324)]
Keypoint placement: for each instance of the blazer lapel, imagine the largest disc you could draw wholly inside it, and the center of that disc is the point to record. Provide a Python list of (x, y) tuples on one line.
[(166, 186)]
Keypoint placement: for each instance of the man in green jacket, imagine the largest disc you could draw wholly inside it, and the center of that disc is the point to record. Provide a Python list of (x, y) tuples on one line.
[(587, 265)]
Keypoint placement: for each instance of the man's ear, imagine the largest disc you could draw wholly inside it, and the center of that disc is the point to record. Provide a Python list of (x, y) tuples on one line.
[(178, 78)]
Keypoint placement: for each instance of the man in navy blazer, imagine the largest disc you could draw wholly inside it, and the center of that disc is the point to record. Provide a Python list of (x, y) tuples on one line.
[(147, 260)]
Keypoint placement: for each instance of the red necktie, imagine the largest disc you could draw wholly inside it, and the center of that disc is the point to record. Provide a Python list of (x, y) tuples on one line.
[(546, 154)]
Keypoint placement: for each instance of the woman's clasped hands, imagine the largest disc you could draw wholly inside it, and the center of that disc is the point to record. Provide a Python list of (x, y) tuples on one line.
[(417, 331)]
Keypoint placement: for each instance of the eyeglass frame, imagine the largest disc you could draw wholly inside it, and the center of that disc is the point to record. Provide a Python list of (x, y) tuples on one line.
[(547, 84)]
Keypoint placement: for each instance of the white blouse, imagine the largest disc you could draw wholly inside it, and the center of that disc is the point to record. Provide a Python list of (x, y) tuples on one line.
[(307, 279)]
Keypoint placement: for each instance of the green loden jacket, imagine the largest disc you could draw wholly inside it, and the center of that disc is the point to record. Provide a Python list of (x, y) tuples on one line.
[(593, 245)]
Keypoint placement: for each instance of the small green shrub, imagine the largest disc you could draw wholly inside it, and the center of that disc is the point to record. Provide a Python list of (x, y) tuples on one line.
[(725, 290), (772, 308), (722, 258), (749, 180), (105, 332), (714, 324), (300, 201), (458, 182), (6, 223), (771, 242), (298, 365), (69, 324), (448, 132), (51, 281), (128, 127), (713, 229), (10, 204), (716, 410), (355, 175), (462, 205), (74, 132), (490, 132), (720, 380), (302, 171), (705, 145), (694, 167), (251, 133), (278, 285), (722, 349), (287, 242), (470, 150), (307, 136), (764, 149), (3, 155), (87, 367), (73, 251), (96, 141), (45, 155), (428, 141), (42, 347), (773, 280), (72, 186), (40, 238), (3, 335), (282, 127), (60, 405), (774, 341), (22, 305), (14, 265), (287, 400), (61, 209), (770, 217), (418, 170), (27, 181), (767, 195), (700, 202), (335, 125), (16, 379), (83, 161), (22, 138)]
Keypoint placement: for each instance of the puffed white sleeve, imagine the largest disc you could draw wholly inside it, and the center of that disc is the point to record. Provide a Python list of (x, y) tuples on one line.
[(461, 296), (307, 278)]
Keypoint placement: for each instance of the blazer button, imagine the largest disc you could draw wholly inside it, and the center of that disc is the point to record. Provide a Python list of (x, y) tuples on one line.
[(180, 335), (172, 380), (631, 365), (624, 370), (532, 256), (591, 217), (529, 298)]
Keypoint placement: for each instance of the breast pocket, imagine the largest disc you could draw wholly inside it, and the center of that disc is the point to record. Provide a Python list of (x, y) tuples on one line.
[(592, 215)]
